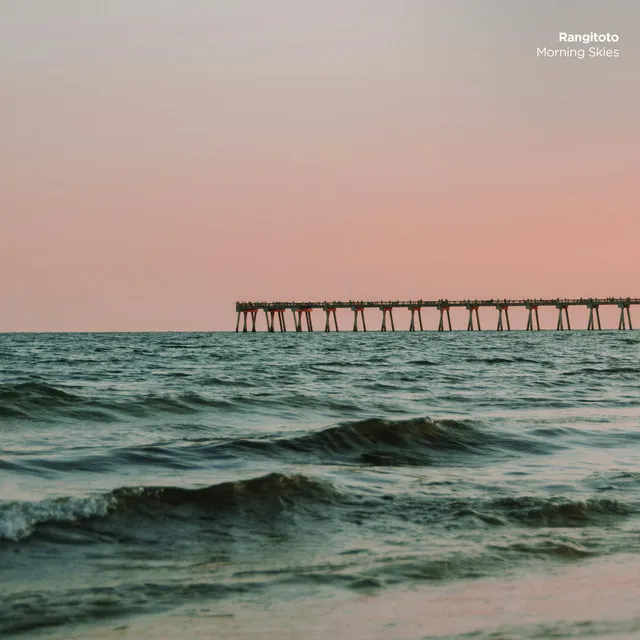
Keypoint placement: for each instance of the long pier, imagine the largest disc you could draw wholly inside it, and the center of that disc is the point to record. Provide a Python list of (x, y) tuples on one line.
[(301, 312)]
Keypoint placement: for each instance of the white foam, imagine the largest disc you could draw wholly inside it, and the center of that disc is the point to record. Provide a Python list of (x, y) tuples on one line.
[(18, 520)]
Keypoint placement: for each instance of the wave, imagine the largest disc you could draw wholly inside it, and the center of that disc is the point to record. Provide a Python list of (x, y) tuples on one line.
[(374, 441), (17, 400), (117, 511), (44, 609), (563, 549), (557, 512), (509, 360), (47, 403), (531, 512), (401, 441), (411, 442), (277, 500), (415, 441), (41, 401), (599, 371), (492, 557), (516, 512)]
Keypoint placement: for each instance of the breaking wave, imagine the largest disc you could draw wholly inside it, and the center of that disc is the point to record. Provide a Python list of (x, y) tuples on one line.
[(261, 496), (267, 498)]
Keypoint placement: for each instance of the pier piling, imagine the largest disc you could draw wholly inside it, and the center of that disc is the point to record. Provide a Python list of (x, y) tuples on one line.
[(412, 324), (533, 308), (385, 310), (281, 319), (356, 311), (297, 318), (269, 322), (329, 311), (561, 306), (245, 313), (593, 306), (444, 308), (473, 308), (624, 306), (503, 309)]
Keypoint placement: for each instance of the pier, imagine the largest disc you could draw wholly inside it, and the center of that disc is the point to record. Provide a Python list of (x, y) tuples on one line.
[(301, 313)]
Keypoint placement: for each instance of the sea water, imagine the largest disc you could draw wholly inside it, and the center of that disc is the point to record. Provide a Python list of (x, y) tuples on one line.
[(398, 485)]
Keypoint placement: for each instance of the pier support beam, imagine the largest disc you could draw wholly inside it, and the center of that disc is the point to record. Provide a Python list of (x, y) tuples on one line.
[(561, 308), (269, 320), (622, 323), (533, 308), (473, 308), (559, 325), (245, 313), (329, 311), (238, 322), (356, 311), (297, 318), (444, 308), (412, 325), (254, 313), (281, 321), (593, 318), (503, 308), (384, 310)]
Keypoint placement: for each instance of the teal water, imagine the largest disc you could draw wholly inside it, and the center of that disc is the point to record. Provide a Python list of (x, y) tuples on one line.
[(144, 472)]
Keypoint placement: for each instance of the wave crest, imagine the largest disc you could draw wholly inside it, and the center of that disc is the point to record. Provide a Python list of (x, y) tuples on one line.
[(37, 400), (378, 441), (19, 400), (550, 512), (261, 496)]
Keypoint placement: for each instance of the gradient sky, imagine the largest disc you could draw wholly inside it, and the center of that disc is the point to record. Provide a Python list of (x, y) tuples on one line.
[(160, 159)]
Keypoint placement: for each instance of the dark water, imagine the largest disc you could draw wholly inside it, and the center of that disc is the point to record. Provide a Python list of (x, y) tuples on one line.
[(140, 473)]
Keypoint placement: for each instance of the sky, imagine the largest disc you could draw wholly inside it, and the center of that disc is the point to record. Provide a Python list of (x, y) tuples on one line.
[(161, 159)]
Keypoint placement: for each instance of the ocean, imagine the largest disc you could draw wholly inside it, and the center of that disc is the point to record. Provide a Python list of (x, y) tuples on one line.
[(369, 485)]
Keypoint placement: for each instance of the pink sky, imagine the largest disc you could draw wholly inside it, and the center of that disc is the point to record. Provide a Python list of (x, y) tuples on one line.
[(161, 159)]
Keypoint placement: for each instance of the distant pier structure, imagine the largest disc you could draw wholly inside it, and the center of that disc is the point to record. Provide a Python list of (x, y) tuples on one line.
[(276, 313)]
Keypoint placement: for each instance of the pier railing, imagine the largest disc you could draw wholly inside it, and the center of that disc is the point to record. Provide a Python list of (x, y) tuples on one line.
[(275, 311)]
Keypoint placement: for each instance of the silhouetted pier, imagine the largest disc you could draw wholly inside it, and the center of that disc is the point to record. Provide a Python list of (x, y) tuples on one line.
[(301, 312)]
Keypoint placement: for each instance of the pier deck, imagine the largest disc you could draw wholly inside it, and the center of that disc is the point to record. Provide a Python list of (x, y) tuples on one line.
[(302, 311)]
